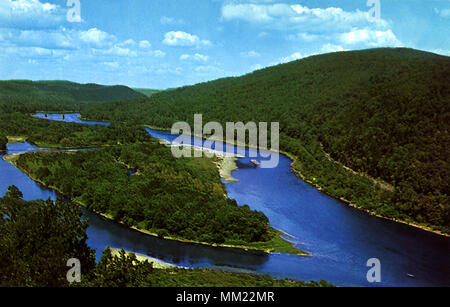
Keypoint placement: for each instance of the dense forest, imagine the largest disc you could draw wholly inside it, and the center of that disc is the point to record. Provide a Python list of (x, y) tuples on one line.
[(57, 96), (38, 238), (143, 185), (384, 113), (68, 135)]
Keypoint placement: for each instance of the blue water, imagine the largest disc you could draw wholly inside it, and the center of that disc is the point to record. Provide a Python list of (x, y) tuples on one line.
[(340, 238), (68, 118)]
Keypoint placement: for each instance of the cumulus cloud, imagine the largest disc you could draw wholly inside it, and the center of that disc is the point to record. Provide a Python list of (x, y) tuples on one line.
[(280, 16), (30, 14), (180, 38), (372, 38), (53, 39), (96, 37)]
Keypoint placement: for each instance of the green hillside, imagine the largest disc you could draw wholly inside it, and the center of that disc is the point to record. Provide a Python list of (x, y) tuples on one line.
[(382, 112), (147, 92), (29, 96)]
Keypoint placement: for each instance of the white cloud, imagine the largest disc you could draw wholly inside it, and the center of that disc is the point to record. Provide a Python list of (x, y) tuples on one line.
[(96, 37), (250, 54), (371, 38), (290, 17), (30, 14), (328, 48), (113, 65), (441, 51), (145, 44), (293, 57), (53, 39), (444, 13), (127, 43), (116, 51), (196, 57), (256, 67), (154, 53), (171, 21), (208, 69), (180, 38), (307, 37)]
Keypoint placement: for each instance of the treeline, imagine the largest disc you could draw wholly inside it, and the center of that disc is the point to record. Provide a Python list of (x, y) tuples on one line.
[(381, 112), (182, 198), (57, 96), (38, 238), (68, 135)]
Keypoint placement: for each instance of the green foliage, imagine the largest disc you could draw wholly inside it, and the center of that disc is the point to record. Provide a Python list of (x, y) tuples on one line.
[(3, 142), (29, 96), (37, 239), (14, 192), (382, 112), (68, 135), (181, 198), (146, 92), (125, 271)]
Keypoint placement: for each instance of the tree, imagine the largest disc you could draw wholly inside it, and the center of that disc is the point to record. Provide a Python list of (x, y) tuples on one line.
[(37, 240), (3, 142), (14, 192)]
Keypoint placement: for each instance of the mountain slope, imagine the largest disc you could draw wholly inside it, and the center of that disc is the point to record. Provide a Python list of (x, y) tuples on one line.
[(58, 95), (381, 112)]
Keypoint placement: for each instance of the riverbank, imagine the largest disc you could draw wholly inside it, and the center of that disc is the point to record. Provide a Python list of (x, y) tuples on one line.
[(276, 244), (157, 264), (227, 165), (351, 204)]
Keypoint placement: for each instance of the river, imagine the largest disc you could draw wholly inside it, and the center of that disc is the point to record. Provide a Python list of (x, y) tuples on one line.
[(340, 238)]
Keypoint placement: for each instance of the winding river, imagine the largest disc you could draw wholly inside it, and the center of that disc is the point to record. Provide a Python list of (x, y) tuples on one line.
[(340, 238)]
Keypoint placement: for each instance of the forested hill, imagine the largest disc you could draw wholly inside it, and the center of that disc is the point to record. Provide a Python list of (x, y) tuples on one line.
[(384, 112), (29, 96)]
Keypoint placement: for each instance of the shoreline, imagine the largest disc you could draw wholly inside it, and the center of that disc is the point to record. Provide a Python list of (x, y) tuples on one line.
[(157, 263), (299, 175), (247, 248), (349, 203)]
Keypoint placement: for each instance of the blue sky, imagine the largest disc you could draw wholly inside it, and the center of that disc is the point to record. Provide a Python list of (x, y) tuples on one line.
[(169, 43)]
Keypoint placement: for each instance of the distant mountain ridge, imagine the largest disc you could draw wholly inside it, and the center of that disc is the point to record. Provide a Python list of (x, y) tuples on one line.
[(59, 95), (382, 112)]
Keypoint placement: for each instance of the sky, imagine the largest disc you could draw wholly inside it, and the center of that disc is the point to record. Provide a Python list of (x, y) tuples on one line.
[(170, 43)]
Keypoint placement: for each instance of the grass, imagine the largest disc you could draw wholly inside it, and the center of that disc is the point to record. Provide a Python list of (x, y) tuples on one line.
[(17, 139), (278, 244)]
